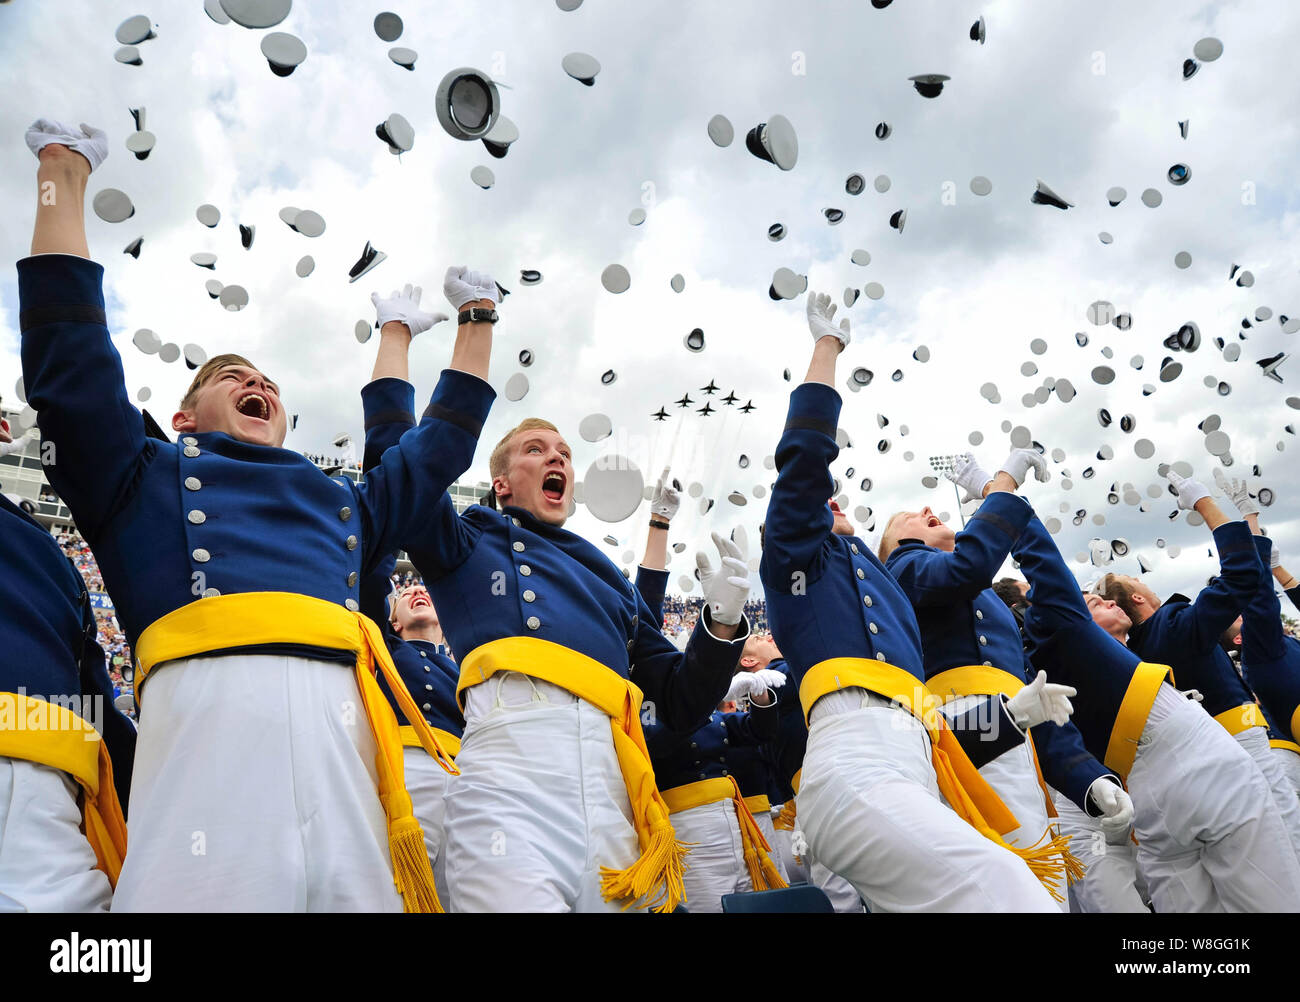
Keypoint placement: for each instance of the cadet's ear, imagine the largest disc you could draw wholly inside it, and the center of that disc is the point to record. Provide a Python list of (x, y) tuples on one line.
[(748, 662), (184, 421), (501, 486)]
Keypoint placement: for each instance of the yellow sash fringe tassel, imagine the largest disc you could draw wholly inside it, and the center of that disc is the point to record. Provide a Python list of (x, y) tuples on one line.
[(784, 822)]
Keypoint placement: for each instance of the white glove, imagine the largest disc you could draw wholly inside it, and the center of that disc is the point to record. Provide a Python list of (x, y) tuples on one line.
[(461, 286), (1189, 491), (90, 142), (969, 476), (1021, 461), (754, 683), (1041, 701), (1274, 557), (1193, 694), (1115, 805), (404, 307), (665, 500), (725, 591), (1237, 493), (821, 319)]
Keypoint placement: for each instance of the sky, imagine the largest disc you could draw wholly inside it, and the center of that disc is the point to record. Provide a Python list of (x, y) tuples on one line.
[(1081, 96)]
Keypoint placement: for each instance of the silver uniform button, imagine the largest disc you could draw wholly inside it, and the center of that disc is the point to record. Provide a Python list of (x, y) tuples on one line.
[(351, 605), (423, 655), (352, 579), (979, 614), (867, 601), (517, 546), (873, 627), (516, 522), (211, 593), (191, 451), (428, 688), (426, 706), (529, 596), (351, 542), (984, 641), (201, 555), (189, 440), (197, 517), (193, 483), (533, 622), (861, 574), (345, 513), (988, 664), (853, 547), (426, 667), (525, 570)]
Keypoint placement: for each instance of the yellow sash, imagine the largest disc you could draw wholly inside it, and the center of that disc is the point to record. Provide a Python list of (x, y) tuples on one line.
[(985, 680), (448, 740), (763, 873), (1121, 749), (51, 735), (211, 625), (1281, 743), (659, 868), (759, 804), (1241, 718), (961, 784)]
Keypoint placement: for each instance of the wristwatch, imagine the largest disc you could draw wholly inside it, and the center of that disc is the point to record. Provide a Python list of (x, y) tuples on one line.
[(476, 316)]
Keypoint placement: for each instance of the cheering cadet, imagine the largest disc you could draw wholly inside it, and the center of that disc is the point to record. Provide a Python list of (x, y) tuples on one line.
[(714, 778), (65, 750), (878, 753), (1204, 818), (1270, 660), (556, 807), (412, 630), (269, 771), (1185, 635), (972, 646)]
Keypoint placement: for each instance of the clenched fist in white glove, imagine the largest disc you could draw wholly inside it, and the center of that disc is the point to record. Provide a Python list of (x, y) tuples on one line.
[(969, 476), (821, 319), (404, 307), (725, 589), (1237, 492), (1189, 491), (665, 500), (462, 286), (754, 683), (1021, 461), (90, 142), (1041, 701), (1115, 805)]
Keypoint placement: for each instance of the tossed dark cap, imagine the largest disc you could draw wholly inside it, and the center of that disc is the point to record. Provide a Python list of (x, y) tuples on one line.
[(284, 52), (774, 141), (929, 84), (467, 103)]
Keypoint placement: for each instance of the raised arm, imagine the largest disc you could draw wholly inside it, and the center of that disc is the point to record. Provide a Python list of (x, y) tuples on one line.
[(95, 438), (1262, 639), (652, 575), (798, 517)]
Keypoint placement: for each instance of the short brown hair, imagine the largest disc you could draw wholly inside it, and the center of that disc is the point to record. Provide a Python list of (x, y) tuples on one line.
[(498, 464), (206, 371), (1111, 588)]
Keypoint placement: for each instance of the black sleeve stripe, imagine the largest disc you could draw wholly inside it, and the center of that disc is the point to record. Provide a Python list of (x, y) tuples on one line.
[(38, 316), (999, 522), (811, 424), (390, 417), (460, 419)]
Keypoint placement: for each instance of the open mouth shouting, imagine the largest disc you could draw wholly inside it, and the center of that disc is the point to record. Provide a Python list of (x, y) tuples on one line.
[(420, 601), (932, 522), (253, 405), (553, 485)]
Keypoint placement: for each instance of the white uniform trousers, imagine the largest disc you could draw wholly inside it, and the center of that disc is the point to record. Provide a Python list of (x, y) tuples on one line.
[(1290, 763), (796, 872), (1109, 884), (871, 809), (763, 819), (427, 782), (540, 804), (1255, 741), (1014, 779), (1210, 838), (255, 789), (715, 864), (46, 864)]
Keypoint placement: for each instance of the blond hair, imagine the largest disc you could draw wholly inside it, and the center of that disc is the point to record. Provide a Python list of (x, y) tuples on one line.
[(500, 460), (1111, 588), (206, 371), (888, 543)]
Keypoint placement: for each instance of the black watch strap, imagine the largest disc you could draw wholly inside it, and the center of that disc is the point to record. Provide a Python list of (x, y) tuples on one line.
[(477, 315)]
